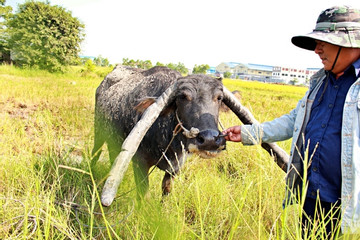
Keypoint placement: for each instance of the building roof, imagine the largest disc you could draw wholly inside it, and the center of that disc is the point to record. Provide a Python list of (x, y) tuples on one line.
[(251, 66), (91, 57), (232, 64), (259, 67), (211, 70)]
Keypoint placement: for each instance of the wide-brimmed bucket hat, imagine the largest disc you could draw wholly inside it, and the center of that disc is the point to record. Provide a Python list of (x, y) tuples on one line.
[(339, 25)]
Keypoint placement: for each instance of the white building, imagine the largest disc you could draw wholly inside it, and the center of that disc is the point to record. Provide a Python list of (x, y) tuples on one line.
[(247, 71), (294, 76), (264, 73)]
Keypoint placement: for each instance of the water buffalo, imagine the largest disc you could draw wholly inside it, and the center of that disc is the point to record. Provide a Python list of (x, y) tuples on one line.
[(157, 116)]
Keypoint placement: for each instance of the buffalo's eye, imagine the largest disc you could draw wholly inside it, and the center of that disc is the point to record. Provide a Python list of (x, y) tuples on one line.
[(184, 96), (219, 98)]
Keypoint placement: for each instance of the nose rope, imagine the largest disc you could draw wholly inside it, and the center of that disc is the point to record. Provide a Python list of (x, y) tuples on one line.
[(192, 133), (221, 125)]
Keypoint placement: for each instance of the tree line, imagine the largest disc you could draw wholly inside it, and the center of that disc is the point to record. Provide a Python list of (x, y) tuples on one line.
[(180, 67), (48, 37)]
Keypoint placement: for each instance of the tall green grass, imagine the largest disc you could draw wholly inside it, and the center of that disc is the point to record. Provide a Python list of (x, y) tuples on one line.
[(48, 191)]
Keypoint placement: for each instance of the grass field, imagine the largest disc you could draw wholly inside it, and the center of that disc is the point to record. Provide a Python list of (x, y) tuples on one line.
[(48, 191)]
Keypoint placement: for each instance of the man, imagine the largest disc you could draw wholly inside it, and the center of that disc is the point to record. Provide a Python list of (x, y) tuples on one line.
[(325, 126)]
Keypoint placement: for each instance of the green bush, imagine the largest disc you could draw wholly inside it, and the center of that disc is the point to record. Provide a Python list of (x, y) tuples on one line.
[(44, 36)]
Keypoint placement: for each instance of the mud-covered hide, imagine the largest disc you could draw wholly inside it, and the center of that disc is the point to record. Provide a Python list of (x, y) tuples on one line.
[(116, 99)]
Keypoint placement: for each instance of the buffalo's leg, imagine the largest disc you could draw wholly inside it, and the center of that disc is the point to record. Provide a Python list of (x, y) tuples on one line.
[(114, 150), (95, 155), (141, 178), (166, 183), (96, 151)]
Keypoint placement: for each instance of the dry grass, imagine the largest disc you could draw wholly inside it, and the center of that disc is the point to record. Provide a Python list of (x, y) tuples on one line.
[(47, 189)]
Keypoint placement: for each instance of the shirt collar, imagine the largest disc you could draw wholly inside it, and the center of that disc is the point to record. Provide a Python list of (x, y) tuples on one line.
[(356, 65)]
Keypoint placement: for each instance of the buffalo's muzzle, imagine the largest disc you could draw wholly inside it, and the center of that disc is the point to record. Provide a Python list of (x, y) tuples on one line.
[(210, 140)]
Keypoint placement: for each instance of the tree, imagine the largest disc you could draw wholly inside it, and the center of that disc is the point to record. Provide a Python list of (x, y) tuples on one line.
[(128, 62), (100, 61), (227, 74), (201, 68), (294, 81), (181, 68), (44, 36), (89, 66), (159, 64), (138, 63), (5, 13), (144, 64)]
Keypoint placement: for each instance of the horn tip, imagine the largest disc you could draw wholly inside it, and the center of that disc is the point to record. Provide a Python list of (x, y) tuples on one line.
[(106, 200)]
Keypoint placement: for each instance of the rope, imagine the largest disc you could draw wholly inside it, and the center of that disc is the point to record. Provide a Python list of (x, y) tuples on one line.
[(221, 125), (192, 133)]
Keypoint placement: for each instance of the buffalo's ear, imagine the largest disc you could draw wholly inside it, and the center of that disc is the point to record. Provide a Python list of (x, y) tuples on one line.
[(169, 109), (219, 78), (145, 103)]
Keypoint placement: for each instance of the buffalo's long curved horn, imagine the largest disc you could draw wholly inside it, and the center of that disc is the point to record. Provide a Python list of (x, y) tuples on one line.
[(131, 144), (280, 156)]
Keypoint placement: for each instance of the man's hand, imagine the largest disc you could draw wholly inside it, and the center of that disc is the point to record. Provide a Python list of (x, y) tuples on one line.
[(233, 134)]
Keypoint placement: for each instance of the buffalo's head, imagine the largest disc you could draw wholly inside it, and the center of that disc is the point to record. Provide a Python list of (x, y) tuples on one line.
[(197, 102)]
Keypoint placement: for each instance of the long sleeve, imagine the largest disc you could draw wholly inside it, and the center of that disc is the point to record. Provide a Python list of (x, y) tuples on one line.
[(276, 130)]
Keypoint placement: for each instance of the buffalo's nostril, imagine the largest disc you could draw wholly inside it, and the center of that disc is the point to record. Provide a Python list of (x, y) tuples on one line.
[(200, 139), (219, 140), (209, 140)]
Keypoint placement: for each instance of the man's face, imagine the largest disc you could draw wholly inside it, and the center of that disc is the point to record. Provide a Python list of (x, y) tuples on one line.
[(327, 53)]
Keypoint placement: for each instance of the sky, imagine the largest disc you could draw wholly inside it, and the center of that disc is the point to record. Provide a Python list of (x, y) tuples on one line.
[(198, 31)]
